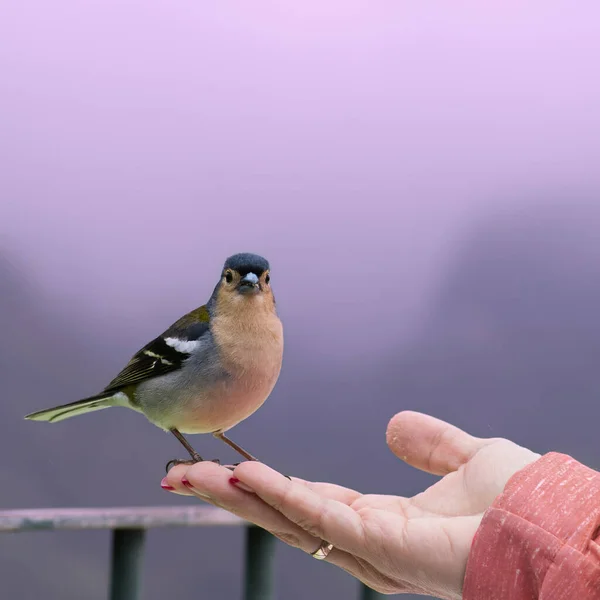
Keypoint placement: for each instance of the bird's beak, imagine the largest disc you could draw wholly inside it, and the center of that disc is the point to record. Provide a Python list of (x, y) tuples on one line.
[(249, 284)]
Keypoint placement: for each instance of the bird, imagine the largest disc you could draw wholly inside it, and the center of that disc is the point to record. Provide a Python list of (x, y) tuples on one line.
[(210, 370)]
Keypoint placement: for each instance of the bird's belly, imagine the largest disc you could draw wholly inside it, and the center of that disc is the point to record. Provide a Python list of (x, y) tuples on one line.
[(198, 409), (221, 409)]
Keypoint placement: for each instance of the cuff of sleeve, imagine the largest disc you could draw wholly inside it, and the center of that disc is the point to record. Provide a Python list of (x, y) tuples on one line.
[(549, 512)]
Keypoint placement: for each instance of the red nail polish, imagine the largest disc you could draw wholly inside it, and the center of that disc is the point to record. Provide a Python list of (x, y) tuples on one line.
[(165, 486), (241, 486), (186, 483)]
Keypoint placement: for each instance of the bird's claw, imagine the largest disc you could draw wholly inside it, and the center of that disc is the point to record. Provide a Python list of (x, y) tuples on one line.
[(175, 462), (233, 466)]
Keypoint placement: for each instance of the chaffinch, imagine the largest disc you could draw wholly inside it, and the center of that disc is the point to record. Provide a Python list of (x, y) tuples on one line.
[(208, 371)]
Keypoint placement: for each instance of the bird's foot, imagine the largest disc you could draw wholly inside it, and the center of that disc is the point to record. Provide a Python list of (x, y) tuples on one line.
[(232, 467), (175, 461)]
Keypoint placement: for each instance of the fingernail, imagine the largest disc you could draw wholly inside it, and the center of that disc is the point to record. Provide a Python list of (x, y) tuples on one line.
[(238, 484), (187, 483), (165, 486)]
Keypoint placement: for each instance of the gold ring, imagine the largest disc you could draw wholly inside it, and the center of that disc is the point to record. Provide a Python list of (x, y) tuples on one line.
[(322, 551)]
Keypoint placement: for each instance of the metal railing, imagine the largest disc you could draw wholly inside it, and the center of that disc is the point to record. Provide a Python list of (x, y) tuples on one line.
[(129, 526)]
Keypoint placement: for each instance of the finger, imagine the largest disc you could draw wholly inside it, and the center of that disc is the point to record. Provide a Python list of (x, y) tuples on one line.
[(331, 490), (212, 483), (172, 482), (322, 517), (429, 444)]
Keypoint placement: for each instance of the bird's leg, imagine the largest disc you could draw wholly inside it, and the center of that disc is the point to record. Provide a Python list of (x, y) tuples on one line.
[(196, 458), (221, 436)]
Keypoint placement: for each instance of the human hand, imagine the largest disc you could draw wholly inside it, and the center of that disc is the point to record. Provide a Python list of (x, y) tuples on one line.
[(393, 544)]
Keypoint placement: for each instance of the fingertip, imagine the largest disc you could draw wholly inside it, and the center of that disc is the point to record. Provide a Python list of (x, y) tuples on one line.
[(173, 480), (203, 472), (164, 484), (401, 428), (176, 473), (430, 444), (250, 467)]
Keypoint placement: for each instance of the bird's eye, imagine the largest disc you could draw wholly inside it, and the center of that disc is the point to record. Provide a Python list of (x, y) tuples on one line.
[(229, 277), (267, 278)]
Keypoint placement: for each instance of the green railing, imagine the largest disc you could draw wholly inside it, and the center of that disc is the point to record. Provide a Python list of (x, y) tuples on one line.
[(129, 526)]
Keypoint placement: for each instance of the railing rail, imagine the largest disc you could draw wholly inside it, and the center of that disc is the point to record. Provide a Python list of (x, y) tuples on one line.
[(129, 526)]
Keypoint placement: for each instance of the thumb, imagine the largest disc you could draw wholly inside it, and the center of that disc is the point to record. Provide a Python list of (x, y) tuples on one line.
[(429, 444)]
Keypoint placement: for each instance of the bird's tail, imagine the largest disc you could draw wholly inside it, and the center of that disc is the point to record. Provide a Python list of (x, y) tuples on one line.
[(66, 411)]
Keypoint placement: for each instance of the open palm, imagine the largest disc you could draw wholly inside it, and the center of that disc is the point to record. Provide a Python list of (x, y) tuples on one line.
[(392, 543)]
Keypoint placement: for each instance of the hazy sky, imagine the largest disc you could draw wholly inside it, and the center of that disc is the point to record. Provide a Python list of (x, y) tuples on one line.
[(143, 142)]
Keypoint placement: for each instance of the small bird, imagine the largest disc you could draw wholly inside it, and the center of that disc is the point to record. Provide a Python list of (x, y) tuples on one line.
[(208, 371)]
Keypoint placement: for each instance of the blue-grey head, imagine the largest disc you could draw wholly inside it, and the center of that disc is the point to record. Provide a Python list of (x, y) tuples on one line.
[(246, 274)]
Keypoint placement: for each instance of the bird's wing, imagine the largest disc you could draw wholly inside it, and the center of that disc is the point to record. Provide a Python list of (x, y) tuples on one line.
[(167, 352)]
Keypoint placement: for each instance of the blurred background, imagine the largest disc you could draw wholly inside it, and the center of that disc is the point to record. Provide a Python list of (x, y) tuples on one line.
[(424, 180)]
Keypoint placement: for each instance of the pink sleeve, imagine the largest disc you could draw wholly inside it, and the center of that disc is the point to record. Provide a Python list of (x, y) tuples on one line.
[(540, 540)]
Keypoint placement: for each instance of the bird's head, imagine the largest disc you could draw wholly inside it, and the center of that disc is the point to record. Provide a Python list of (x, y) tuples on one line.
[(245, 277)]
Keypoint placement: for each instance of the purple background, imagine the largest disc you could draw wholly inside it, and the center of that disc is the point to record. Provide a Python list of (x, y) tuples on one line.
[(423, 178)]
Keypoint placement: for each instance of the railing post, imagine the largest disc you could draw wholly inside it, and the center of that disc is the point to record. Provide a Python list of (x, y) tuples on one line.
[(127, 553), (260, 550), (367, 593)]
